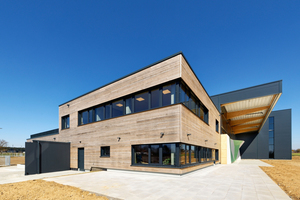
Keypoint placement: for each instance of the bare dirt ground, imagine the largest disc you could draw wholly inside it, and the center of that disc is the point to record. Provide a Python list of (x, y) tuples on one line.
[(286, 173), (17, 160), (40, 189)]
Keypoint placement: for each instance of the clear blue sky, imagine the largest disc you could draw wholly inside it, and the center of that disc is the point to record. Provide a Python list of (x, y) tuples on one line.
[(54, 51)]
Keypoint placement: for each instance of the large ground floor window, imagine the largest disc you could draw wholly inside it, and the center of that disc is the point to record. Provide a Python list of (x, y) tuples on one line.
[(172, 154)]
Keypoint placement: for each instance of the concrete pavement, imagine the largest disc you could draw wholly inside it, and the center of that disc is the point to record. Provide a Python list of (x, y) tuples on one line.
[(242, 180)]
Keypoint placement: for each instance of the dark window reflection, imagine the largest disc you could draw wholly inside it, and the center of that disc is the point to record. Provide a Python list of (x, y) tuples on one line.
[(187, 157), (169, 151), (192, 104), (155, 154), (141, 102), (117, 108), (155, 98), (182, 154), (107, 111), (168, 95), (141, 154), (128, 103), (194, 158), (99, 113), (84, 117), (91, 117)]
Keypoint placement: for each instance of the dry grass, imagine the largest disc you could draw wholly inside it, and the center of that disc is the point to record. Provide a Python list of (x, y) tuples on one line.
[(17, 160), (40, 189), (286, 173)]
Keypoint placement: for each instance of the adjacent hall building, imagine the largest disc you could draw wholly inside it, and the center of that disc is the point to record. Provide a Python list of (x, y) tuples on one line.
[(161, 119)]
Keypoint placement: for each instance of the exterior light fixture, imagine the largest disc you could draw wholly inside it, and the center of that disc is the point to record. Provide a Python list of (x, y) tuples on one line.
[(118, 139), (68, 105), (161, 134), (79, 141), (206, 140), (189, 134), (215, 143), (54, 139)]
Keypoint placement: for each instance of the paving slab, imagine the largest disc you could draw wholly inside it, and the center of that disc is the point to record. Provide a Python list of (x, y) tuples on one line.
[(13, 174), (241, 180)]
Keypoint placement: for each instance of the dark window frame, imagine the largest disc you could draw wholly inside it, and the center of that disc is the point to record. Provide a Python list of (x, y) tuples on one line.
[(65, 122), (103, 150)]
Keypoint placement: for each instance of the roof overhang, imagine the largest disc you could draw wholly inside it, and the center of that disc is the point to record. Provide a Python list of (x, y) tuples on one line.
[(247, 110), (248, 115)]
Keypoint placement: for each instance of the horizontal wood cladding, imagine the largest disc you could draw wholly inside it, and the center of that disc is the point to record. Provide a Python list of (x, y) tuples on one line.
[(138, 128), (46, 138), (160, 73), (191, 80), (199, 130)]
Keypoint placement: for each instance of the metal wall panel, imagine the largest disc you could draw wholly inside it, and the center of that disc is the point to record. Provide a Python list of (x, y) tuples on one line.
[(31, 158), (55, 156), (249, 149), (282, 134), (46, 156)]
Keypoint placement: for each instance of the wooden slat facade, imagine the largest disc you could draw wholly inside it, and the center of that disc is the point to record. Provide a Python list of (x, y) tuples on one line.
[(175, 121)]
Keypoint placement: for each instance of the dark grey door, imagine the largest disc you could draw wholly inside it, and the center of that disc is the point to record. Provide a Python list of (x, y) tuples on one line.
[(81, 159)]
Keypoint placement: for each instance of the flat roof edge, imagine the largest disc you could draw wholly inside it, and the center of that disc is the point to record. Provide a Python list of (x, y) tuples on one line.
[(252, 87), (148, 66)]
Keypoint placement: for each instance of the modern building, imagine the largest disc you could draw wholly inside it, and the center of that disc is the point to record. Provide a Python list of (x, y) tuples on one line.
[(161, 119)]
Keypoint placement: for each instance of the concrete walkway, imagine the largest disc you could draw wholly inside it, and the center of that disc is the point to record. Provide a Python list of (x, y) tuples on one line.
[(242, 180), (13, 174)]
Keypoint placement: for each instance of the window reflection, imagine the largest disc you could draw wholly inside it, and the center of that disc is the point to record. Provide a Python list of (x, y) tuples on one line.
[(141, 102), (155, 98), (99, 113), (182, 154), (155, 154), (91, 117), (193, 155), (84, 117), (169, 151), (128, 103), (117, 108), (168, 95), (141, 154), (107, 111)]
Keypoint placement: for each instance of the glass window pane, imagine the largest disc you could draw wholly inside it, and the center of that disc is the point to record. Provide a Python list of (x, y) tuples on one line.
[(141, 102), (154, 154), (168, 95), (271, 134), (155, 98), (271, 126), (91, 118), (141, 154), (99, 113), (182, 94), (168, 154), (271, 120), (194, 158), (182, 154), (84, 117), (107, 111), (68, 122), (187, 158), (128, 103), (206, 115), (271, 140), (192, 104), (117, 108), (201, 112)]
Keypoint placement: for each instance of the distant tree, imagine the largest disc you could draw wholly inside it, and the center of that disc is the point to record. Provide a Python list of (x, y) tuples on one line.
[(3, 145), (298, 151)]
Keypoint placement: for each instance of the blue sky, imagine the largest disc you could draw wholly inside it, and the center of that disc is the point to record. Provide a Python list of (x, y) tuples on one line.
[(54, 51)]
